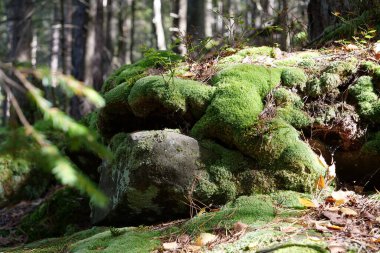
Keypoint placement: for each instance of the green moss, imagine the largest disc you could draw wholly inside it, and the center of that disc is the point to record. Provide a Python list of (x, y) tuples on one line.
[(134, 240), (294, 116), (129, 74), (294, 77), (169, 94), (329, 81), (313, 87), (13, 175), (368, 101), (284, 97), (252, 52), (232, 118), (64, 209), (342, 68), (237, 101), (246, 209)]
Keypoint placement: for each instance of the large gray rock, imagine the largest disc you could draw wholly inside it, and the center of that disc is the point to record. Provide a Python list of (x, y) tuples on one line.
[(158, 175), (149, 178)]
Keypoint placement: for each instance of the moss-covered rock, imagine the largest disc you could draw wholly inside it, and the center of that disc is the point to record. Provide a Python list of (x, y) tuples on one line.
[(64, 212), (153, 102), (251, 53), (233, 118), (160, 95)]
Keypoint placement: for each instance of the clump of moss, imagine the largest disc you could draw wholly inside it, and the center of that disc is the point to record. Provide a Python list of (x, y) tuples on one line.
[(342, 68), (232, 118), (313, 87), (329, 82), (294, 77), (130, 73), (289, 107), (237, 101), (252, 52), (13, 175), (157, 93), (364, 93)]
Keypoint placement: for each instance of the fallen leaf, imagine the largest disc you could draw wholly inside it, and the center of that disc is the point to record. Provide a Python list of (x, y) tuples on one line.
[(341, 197), (348, 211), (308, 202), (240, 227), (170, 246), (193, 248), (333, 209), (321, 227), (321, 183), (334, 227), (204, 239), (350, 47), (378, 219), (183, 239), (334, 218)]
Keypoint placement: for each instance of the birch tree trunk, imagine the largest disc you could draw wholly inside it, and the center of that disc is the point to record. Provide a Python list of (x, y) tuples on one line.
[(209, 18), (159, 28)]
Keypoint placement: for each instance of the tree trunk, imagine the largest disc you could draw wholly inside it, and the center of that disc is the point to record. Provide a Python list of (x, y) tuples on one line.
[(97, 60), (285, 37), (66, 35), (195, 19), (78, 53), (179, 26), (20, 16), (159, 28), (209, 18)]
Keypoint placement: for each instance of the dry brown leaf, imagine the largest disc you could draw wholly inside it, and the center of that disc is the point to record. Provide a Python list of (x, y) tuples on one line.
[(204, 239), (308, 202), (334, 227), (184, 239), (240, 227), (337, 248), (348, 211), (170, 246), (321, 183), (334, 218), (333, 209)]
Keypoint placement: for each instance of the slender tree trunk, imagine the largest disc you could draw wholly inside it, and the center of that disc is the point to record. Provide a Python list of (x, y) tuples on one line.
[(209, 18), (132, 33), (90, 43), (195, 19), (219, 18), (285, 36), (179, 26), (78, 52), (20, 13), (159, 28), (97, 61)]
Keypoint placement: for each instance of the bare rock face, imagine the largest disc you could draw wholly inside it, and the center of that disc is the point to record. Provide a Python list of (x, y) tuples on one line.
[(150, 177)]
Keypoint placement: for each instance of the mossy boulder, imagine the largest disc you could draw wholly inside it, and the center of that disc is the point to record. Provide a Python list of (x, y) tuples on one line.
[(153, 102), (62, 213)]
